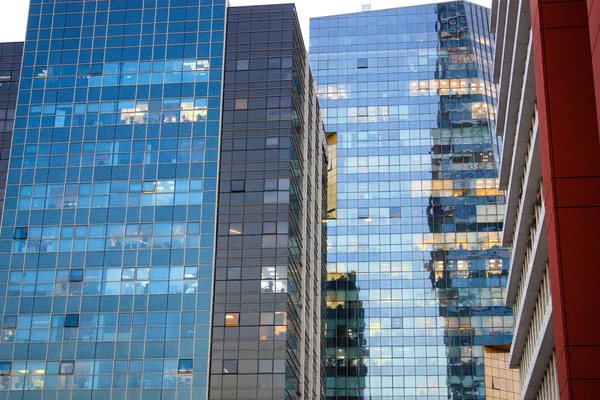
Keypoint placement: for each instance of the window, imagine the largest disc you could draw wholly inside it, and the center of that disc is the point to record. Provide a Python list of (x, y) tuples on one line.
[(96, 69), (235, 228), (185, 366), (241, 104), (71, 321), (190, 273), (243, 65), (230, 366), (66, 367), (395, 212), (149, 187), (5, 368), (274, 279), (76, 275), (20, 233), (232, 319), (362, 63), (128, 274), (269, 227), (202, 65), (238, 186), (363, 213), (10, 322), (332, 143)]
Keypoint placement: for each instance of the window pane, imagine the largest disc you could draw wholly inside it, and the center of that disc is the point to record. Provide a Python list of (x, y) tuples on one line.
[(230, 366), (67, 367), (71, 321), (76, 275), (232, 319), (241, 104), (10, 321), (20, 233), (185, 366), (5, 368)]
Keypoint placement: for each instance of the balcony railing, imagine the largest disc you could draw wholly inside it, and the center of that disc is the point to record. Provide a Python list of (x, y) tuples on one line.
[(535, 327)]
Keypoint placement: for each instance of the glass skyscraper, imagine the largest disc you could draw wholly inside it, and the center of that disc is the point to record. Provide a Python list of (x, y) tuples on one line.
[(10, 71), (155, 217), (416, 274)]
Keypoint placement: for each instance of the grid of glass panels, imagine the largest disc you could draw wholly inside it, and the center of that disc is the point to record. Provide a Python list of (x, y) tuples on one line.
[(106, 246), (416, 276), (10, 70), (267, 297)]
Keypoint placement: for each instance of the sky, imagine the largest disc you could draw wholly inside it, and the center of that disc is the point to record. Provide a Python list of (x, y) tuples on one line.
[(13, 13)]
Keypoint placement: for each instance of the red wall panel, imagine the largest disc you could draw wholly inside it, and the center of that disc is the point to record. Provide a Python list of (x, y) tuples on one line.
[(564, 37)]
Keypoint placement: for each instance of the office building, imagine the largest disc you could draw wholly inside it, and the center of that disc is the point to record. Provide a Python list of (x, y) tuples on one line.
[(162, 231), (547, 119), (270, 253), (10, 71), (416, 271)]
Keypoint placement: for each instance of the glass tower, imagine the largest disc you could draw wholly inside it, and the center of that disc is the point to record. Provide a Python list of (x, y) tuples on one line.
[(162, 235), (270, 262), (416, 274), (106, 246), (10, 70)]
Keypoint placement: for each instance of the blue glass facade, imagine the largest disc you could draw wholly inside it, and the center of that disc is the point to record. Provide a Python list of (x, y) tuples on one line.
[(107, 238), (416, 274), (10, 70)]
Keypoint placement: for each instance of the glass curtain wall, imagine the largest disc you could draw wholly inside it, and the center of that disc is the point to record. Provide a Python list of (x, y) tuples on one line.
[(416, 274), (106, 246)]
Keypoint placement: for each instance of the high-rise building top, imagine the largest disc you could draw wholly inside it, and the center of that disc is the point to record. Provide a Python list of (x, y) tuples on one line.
[(162, 234), (416, 271), (10, 70), (270, 261)]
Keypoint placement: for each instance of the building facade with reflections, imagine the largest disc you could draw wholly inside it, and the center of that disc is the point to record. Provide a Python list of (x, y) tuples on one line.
[(416, 274), (10, 72), (162, 229)]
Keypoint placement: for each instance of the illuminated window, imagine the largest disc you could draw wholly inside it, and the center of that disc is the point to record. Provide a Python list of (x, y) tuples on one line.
[(332, 176), (232, 319), (274, 279)]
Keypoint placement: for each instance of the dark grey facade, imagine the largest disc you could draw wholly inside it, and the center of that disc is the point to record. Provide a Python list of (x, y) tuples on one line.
[(267, 340), (11, 55)]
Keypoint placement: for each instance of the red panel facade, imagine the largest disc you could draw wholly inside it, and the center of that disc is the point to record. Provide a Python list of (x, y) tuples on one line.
[(563, 39)]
